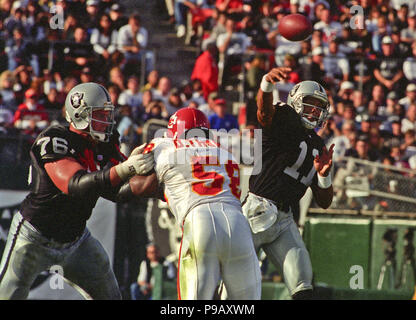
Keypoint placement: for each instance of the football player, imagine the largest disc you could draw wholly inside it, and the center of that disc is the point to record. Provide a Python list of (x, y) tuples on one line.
[(202, 187), (294, 158), (71, 167)]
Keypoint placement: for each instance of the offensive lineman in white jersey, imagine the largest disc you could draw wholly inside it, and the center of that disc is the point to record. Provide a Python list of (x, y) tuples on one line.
[(202, 187)]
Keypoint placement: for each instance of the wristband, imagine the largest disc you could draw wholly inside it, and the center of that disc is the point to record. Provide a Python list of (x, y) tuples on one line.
[(265, 85), (324, 182)]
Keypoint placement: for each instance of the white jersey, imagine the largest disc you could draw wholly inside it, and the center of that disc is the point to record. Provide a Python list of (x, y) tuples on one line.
[(195, 171)]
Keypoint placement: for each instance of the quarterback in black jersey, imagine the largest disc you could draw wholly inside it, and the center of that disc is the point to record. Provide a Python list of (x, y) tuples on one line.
[(71, 167), (293, 158)]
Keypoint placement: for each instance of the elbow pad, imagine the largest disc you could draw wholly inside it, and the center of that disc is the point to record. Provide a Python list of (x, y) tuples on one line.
[(93, 184)]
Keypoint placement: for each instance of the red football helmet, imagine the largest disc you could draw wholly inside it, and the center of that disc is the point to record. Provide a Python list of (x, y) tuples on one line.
[(185, 119)]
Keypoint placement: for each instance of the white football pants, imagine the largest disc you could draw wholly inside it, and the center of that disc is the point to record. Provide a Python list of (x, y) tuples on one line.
[(217, 244)]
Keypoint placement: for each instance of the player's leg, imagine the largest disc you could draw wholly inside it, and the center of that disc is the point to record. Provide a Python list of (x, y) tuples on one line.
[(199, 269), (88, 266), (289, 254), (240, 266), (23, 259)]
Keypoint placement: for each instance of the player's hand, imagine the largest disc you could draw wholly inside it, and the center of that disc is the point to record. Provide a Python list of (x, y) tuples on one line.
[(139, 164), (277, 74), (323, 162), (138, 150)]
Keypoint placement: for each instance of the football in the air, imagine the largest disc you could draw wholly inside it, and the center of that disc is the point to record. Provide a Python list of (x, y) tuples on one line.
[(295, 27)]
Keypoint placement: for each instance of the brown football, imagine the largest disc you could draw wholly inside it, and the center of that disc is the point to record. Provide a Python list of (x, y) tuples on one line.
[(295, 27)]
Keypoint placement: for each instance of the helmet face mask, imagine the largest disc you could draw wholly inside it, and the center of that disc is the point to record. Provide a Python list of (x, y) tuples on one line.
[(88, 108), (309, 100), (101, 122)]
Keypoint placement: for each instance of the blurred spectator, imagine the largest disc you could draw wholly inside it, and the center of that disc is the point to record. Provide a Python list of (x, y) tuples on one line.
[(313, 69), (382, 30), (336, 65), (152, 81), (346, 90), (408, 147), (208, 108), (52, 80), (219, 27), (410, 96), (87, 75), (364, 122), (132, 97), (256, 69), (30, 116), (197, 92), (7, 81), (401, 21), (359, 101), (258, 37), (199, 9), (232, 44), (341, 141), (409, 122), (20, 51), (24, 77), (78, 53), (52, 101), (231, 7), (390, 70), (409, 65), (331, 29), (290, 61), (71, 23), (15, 19), (104, 38), (146, 280), (163, 90), (132, 42), (155, 110), (206, 70), (186, 92), (117, 78), (378, 95), (403, 48), (117, 18), (221, 119), (174, 101), (93, 14), (362, 69)]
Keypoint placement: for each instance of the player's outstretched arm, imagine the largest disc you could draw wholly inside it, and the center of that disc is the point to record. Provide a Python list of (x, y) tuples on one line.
[(265, 109), (146, 186), (71, 178), (323, 191)]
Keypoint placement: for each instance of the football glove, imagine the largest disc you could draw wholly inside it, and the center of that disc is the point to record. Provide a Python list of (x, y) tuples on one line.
[(137, 163)]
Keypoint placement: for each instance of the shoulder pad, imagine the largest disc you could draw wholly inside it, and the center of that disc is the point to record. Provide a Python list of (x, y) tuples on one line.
[(53, 143)]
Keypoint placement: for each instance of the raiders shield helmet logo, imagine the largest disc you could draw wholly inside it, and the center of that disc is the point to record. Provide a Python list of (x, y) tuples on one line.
[(76, 99)]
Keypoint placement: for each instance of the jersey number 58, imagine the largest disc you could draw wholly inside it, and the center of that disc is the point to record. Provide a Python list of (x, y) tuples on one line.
[(211, 182)]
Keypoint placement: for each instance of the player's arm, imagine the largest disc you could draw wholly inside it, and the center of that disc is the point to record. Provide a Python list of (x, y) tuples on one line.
[(146, 186), (71, 178), (323, 191), (265, 109)]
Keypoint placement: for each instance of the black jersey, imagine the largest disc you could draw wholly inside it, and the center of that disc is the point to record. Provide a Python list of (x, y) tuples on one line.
[(56, 215), (288, 151)]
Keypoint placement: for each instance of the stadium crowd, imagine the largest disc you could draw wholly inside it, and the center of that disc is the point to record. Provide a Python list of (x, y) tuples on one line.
[(365, 60)]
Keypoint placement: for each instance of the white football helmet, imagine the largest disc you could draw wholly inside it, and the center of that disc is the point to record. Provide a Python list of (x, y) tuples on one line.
[(88, 107), (296, 97)]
